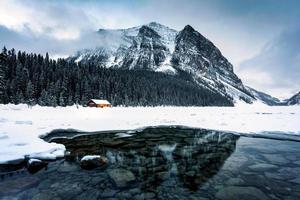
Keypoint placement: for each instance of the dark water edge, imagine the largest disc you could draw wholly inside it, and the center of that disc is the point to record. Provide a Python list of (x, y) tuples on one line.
[(165, 163)]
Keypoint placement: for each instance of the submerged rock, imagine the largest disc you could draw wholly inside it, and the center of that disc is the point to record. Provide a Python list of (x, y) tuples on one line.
[(235, 181), (262, 167), (121, 177), (35, 165), (93, 161), (42, 196), (238, 193), (276, 159), (286, 173), (235, 163), (297, 162), (296, 180), (108, 193), (68, 167), (17, 185)]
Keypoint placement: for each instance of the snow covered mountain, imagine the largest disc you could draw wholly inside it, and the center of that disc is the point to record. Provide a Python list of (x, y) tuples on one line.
[(263, 97), (155, 47), (294, 100)]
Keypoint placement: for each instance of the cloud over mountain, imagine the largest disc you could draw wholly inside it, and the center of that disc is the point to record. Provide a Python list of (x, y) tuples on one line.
[(278, 64)]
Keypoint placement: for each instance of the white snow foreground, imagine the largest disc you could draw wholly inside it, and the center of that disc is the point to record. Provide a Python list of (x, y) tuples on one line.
[(21, 126)]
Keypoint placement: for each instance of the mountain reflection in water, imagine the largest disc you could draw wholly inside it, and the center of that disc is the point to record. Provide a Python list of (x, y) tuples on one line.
[(179, 156), (163, 163)]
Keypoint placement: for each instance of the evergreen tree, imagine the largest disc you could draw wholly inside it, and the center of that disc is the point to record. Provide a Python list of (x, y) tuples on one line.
[(30, 94), (44, 98), (19, 97), (32, 78), (2, 77), (61, 100)]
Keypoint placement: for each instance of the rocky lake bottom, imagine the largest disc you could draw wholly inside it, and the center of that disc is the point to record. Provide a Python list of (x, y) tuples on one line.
[(162, 163)]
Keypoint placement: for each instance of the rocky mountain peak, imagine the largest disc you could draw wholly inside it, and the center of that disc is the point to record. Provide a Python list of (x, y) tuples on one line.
[(188, 28), (188, 32), (148, 32), (190, 36), (156, 24), (155, 47)]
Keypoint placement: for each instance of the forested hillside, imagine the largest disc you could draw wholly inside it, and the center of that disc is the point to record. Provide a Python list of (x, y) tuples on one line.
[(34, 79)]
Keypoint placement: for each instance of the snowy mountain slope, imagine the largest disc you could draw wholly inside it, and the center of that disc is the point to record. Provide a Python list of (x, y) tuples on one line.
[(147, 52), (263, 97), (114, 42), (155, 47), (294, 100)]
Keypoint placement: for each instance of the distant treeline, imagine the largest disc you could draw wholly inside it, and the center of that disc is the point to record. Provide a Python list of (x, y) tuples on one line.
[(34, 79)]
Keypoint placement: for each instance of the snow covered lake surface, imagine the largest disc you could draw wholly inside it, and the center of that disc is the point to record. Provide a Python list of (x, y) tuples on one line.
[(21, 126)]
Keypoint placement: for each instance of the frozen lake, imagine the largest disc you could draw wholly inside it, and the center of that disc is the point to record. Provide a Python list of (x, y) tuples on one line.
[(21, 126)]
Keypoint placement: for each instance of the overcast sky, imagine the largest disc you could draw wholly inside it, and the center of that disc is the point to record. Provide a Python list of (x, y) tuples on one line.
[(261, 38)]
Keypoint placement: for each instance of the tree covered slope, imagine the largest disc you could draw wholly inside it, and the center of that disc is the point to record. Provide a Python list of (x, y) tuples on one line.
[(34, 79)]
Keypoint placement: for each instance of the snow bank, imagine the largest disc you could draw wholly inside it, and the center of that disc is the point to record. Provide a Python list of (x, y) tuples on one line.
[(20, 125)]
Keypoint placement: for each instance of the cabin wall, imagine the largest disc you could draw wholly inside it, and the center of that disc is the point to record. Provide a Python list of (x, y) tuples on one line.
[(92, 104), (103, 105)]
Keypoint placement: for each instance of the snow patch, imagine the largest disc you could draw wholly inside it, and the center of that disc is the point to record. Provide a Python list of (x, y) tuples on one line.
[(32, 160), (123, 135), (166, 69), (90, 157)]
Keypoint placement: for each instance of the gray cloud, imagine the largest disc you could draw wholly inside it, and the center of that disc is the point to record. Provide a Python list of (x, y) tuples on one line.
[(42, 44), (238, 28), (280, 61)]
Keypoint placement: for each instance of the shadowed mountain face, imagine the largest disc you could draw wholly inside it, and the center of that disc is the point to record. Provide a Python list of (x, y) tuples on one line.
[(158, 156), (199, 56), (155, 47), (147, 51)]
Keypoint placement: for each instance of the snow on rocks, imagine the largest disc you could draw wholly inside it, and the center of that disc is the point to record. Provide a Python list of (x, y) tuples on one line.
[(33, 160), (92, 161), (35, 165), (20, 140)]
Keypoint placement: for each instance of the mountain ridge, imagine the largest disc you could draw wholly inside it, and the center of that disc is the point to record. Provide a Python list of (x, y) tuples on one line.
[(156, 47), (294, 100), (264, 98)]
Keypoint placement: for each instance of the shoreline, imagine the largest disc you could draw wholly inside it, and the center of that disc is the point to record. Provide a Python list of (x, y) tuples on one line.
[(73, 134)]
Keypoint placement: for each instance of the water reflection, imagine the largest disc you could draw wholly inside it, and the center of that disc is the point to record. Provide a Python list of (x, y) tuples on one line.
[(160, 156), (164, 163)]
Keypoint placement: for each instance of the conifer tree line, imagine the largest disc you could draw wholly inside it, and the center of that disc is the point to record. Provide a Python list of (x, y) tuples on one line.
[(36, 79)]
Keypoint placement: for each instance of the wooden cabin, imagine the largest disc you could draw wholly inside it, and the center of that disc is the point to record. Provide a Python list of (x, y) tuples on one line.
[(98, 103)]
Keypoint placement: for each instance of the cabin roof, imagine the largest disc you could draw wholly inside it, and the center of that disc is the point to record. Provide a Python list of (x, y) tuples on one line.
[(100, 101)]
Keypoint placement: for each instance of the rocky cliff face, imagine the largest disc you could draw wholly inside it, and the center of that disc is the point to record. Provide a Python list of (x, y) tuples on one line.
[(155, 47), (147, 51), (199, 56)]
